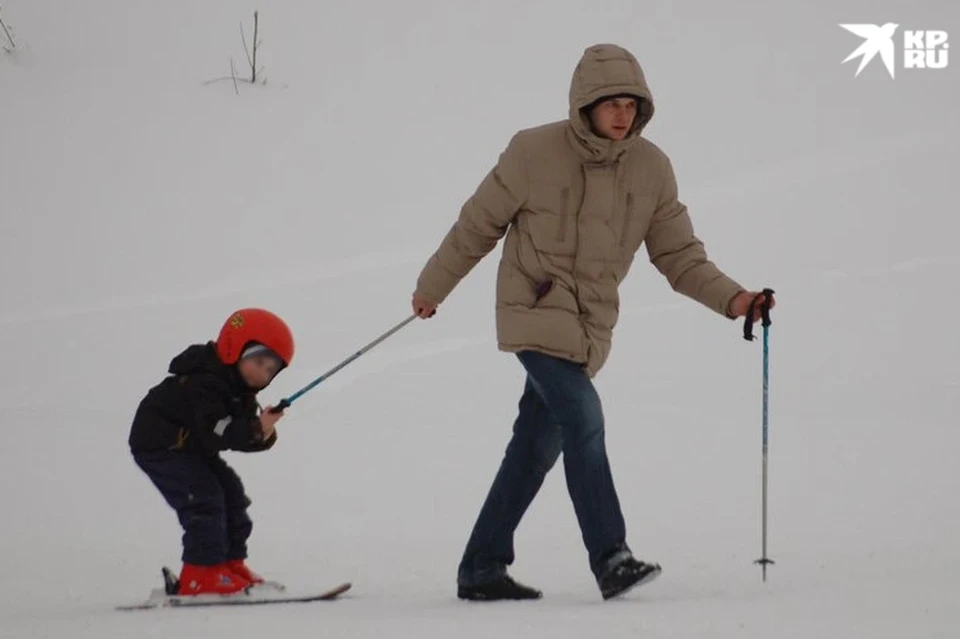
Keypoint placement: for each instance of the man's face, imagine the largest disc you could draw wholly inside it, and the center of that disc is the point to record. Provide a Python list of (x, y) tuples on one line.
[(612, 118)]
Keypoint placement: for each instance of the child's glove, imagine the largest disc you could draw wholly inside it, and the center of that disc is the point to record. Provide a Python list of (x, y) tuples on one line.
[(268, 422)]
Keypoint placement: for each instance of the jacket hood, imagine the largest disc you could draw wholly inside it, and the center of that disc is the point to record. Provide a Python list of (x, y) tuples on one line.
[(197, 358), (203, 358), (606, 70)]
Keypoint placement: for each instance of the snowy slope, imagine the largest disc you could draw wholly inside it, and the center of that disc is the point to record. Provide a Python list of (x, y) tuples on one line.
[(140, 206)]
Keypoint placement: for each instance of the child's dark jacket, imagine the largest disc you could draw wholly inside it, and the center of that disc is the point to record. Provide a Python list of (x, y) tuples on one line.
[(203, 407)]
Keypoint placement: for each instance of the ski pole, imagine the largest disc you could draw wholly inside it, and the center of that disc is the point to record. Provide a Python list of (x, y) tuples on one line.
[(287, 401), (748, 335)]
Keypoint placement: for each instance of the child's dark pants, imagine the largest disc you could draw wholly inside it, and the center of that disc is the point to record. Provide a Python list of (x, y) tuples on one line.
[(210, 502)]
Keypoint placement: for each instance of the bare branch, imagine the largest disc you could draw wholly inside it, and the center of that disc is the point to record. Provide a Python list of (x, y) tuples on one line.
[(253, 63), (231, 78), (13, 45), (255, 72), (246, 49), (233, 74), (221, 79)]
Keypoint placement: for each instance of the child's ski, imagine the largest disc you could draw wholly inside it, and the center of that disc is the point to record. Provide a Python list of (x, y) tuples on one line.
[(268, 593)]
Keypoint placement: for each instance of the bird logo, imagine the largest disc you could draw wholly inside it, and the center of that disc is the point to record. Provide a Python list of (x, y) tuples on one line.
[(877, 39)]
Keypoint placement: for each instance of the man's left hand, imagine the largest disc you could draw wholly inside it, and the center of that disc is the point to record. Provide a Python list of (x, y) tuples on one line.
[(740, 305)]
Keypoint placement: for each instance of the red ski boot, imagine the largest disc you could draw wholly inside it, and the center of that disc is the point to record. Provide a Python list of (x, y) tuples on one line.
[(239, 568), (202, 580)]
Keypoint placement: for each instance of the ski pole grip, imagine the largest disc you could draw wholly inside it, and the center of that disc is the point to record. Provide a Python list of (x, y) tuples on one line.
[(765, 307), (279, 408), (767, 295)]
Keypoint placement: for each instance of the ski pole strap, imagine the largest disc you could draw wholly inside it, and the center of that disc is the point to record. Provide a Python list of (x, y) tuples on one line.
[(767, 295)]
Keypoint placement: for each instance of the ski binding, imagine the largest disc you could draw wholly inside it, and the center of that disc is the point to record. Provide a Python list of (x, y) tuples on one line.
[(269, 592)]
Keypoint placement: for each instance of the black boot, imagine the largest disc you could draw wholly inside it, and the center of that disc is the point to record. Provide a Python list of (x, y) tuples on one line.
[(625, 575), (503, 588)]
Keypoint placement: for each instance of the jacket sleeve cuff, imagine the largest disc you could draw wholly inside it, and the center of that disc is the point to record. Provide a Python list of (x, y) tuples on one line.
[(728, 300), (436, 282)]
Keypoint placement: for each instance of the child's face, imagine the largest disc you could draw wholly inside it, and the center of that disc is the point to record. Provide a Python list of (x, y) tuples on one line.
[(257, 371)]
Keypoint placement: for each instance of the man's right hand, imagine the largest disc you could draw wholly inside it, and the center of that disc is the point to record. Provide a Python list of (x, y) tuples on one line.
[(423, 308)]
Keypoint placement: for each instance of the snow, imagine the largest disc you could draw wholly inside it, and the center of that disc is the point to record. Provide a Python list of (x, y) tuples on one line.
[(140, 206)]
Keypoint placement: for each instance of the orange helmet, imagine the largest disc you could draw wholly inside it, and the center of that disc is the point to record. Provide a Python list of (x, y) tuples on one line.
[(254, 325)]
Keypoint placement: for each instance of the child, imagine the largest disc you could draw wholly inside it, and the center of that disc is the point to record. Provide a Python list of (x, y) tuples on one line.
[(208, 404)]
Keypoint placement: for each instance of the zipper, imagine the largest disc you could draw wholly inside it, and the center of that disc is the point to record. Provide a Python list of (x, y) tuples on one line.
[(576, 247), (564, 217), (626, 219)]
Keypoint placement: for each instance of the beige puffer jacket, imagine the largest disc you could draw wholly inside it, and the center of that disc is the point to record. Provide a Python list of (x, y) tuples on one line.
[(574, 209)]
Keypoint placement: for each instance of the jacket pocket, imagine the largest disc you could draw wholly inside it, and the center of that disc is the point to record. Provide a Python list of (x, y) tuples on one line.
[(542, 289)]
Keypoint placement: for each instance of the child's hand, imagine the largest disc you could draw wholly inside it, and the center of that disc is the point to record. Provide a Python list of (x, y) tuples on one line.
[(268, 421)]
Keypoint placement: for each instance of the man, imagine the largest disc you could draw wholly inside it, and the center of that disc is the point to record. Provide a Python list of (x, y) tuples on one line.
[(575, 199)]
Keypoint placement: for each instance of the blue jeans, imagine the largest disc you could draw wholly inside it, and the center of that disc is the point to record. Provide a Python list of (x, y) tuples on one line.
[(559, 411), (209, 500)]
